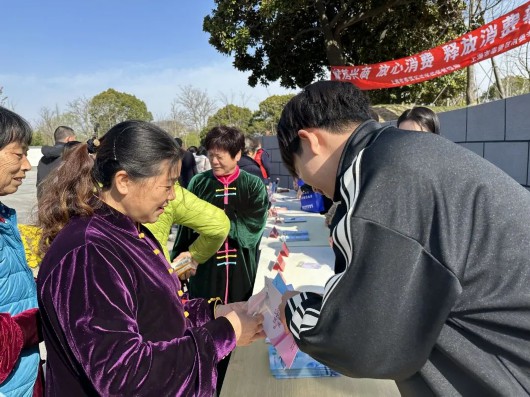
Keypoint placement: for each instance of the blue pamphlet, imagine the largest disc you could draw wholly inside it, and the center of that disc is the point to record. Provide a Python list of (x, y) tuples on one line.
[(303, 366), (296, 237), (294, 219), (280, 284), (295, 232)]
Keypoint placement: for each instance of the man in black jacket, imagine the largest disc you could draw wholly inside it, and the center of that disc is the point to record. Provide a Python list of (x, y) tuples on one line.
[(189, 166), (435, 242), (51, 155)]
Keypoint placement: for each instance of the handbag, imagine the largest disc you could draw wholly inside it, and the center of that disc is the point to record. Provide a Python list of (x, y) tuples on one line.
[(312, 202)]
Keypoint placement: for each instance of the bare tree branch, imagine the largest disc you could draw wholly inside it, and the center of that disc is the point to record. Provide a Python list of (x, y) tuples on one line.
[(3, 98), (196, 105), (179, 122), (244, 98), (79, 109), (225, 99)]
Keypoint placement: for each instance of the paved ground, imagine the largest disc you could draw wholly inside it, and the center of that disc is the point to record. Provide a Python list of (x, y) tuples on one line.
[(24, 201)]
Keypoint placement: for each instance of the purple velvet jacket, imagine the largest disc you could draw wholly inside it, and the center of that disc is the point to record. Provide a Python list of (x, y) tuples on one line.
[(113, 322)]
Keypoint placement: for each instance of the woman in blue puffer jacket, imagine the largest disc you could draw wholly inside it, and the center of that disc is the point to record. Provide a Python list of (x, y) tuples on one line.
[(19, 337)]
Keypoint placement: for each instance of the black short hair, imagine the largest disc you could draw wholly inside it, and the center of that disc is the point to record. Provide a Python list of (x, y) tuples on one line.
[(179, 142), (423, 116), (13, 128), (192, 149), (62, 132), (330, 105), (229, 139)]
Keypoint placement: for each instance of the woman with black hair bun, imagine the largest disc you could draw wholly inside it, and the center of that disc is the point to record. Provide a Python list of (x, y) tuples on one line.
[(114, 319)]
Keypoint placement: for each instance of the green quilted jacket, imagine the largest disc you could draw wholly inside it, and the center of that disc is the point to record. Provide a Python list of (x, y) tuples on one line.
[(210, 222)]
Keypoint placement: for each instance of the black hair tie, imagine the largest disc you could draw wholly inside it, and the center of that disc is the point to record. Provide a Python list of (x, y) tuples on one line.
[(92, 144)]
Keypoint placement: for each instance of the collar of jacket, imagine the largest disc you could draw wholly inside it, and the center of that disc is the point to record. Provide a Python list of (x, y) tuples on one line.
[(358, 140), (115, 218)]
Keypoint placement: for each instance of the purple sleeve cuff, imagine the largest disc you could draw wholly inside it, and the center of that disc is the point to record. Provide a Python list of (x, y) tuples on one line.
[(223, 335), (200, 312)]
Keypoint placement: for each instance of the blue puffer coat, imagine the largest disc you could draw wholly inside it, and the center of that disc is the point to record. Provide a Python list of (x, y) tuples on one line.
[(18, 293)]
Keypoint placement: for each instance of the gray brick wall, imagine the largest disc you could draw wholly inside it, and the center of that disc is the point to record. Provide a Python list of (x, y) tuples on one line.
[(278, 170), (499, 131)]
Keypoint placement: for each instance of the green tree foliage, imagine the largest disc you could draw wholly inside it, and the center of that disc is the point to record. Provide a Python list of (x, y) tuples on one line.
[(266, 118), (111, 107), (38, 139), (295, 41), (192, 139), (448, 90), (230, 115), (512, 85)]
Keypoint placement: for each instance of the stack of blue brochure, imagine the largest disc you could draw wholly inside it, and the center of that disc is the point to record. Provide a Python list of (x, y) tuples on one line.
[(295, 235), (303, 367)]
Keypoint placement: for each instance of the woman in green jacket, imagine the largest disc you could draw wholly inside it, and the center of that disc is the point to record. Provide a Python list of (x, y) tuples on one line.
[(209, 221)]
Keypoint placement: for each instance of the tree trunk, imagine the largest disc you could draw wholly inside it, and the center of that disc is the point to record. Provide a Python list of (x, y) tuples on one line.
[(332, 44), (471, 89), (498, 81)]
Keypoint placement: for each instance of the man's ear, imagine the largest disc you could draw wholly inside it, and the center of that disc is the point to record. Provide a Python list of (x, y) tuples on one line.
[(309, 140), (122, 181), (238, 156)]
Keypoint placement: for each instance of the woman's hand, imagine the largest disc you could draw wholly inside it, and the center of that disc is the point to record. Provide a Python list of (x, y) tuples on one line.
[(223, 310), (185, 265), (246, 327)]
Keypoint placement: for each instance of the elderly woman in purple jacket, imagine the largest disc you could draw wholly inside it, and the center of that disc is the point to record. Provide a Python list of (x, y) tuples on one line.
[(114, 320)]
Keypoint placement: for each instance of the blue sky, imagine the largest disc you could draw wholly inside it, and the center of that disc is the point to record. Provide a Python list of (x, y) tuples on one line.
[(56, 51)]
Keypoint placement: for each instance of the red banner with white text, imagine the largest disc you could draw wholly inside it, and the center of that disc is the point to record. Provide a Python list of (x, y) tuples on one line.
[(504, 33)]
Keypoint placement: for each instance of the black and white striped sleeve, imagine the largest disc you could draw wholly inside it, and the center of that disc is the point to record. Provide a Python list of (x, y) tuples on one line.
[(302, 312)]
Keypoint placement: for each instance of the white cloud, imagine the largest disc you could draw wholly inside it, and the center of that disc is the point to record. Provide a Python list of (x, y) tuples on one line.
[(155, 83)]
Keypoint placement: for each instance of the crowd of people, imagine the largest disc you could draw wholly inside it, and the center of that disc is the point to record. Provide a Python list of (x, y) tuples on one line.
[(431, 243)]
